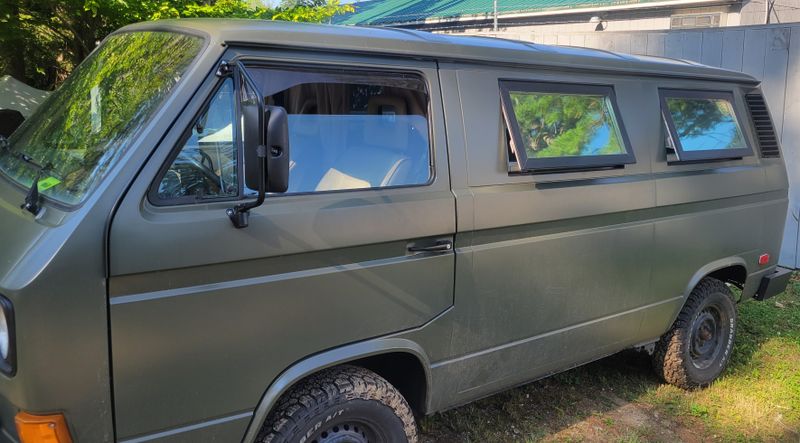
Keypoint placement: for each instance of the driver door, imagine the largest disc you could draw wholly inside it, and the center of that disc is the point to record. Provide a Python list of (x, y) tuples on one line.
[(203, 315)]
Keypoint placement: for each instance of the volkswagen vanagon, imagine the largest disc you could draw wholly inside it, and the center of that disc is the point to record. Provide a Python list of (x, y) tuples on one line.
[(259, 231)]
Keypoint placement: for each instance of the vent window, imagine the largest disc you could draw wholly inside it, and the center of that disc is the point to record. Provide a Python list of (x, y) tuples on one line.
[(765, 130)]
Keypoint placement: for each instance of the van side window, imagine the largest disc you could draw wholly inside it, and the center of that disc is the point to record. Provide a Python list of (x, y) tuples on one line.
[(564, 126), (702, 125), (206, 165), (356, 130)]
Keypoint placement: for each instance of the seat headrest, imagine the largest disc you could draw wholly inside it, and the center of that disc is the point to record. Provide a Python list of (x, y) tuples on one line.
[(386, 105), (381, 129)]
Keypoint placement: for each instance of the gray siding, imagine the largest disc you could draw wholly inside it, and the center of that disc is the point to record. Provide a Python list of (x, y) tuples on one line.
[(768, 52)]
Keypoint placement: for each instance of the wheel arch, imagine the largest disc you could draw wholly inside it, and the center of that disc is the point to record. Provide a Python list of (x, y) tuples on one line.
[(729, 270), (373, 354)]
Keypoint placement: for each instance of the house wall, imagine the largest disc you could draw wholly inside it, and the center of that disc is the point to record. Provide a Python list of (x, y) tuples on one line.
[(770, 53), (642, 20), (785, 11), (749, 12)]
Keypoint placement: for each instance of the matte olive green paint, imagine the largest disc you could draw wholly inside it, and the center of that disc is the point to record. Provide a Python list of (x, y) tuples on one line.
[(192, 329)]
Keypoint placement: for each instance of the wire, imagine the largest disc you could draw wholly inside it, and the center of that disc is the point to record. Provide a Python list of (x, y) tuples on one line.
[(776, 6), (487, 12), (477, 14), (508, 26)]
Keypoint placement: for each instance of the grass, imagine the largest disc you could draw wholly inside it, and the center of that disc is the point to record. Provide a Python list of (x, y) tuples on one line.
[(619, 399)]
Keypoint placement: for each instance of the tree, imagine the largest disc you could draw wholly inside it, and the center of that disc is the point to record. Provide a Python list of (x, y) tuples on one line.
[(41, 41), (293, 3)]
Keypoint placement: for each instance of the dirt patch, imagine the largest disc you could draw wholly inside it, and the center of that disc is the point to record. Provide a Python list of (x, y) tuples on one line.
[(629, 421), (558, 410)]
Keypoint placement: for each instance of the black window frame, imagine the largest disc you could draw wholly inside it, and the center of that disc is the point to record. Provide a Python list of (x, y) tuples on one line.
[(152, 193), (562, 164), (339, 68), (673, 140)]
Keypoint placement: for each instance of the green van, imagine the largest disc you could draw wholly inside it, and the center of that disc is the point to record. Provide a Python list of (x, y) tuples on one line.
[(223, 230)]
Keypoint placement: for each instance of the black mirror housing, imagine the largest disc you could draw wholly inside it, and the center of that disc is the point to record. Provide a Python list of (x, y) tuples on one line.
[(277, 143), (265, 147), (273, 129), (252, 138)]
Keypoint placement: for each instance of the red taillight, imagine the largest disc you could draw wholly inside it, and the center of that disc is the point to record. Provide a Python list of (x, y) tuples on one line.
[(763, 259)]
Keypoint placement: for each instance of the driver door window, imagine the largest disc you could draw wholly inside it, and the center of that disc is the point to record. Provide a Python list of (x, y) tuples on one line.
[(206, 165)]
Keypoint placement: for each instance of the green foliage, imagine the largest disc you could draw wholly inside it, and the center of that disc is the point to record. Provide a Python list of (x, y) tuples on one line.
[(698, 410), (559, 125), (41, 41), (310, 13), (293, 3)]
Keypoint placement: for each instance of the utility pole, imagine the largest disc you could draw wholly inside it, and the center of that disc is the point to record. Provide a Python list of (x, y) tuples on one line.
[(495, 16), (768, 5)]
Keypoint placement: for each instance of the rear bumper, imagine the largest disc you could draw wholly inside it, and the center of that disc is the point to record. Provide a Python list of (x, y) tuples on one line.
[(773, 284)]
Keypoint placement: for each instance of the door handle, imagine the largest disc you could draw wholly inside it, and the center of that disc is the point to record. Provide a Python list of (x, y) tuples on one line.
[(440, 246)]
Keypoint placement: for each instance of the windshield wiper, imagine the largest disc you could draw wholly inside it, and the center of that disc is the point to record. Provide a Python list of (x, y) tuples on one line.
[(5, 145), (32, 199), (31, 203)]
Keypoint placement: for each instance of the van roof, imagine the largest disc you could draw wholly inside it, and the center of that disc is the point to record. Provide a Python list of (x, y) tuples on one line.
[(420, 44)]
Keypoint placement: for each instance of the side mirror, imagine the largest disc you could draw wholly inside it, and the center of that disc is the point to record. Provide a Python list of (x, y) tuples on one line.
[(265, 136), (275, 137), (277, 143)]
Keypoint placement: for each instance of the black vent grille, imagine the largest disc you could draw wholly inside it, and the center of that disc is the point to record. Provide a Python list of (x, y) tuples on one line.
[(765, 130)]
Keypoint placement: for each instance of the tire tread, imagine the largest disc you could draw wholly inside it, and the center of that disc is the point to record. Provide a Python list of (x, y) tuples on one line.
[(668, 357), (328, 387)]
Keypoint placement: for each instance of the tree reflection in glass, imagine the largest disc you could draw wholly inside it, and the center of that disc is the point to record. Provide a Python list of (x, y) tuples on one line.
[(84, 127), (563, 125), (704, 124)]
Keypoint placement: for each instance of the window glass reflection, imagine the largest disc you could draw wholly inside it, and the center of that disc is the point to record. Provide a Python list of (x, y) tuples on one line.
[(705, 124), (563, 125)]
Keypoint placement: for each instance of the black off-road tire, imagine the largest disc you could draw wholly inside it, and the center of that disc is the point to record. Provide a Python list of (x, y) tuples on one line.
[(707, 323), (343, 404)]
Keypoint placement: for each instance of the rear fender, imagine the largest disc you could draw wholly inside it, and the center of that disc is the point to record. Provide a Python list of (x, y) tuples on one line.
[(710, 268)]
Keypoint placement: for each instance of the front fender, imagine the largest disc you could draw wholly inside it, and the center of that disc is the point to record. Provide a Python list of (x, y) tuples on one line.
[(327, 359)]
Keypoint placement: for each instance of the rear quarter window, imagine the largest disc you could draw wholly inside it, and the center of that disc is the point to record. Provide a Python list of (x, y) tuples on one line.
[(563, 126), (703, 125)]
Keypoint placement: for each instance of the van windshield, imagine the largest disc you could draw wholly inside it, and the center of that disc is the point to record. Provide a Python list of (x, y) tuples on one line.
[(85, 127)]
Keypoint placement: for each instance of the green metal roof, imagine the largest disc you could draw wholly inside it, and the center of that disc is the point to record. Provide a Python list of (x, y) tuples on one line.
[(386, 12)]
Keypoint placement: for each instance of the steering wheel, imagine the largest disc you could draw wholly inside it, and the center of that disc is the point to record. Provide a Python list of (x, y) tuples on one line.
[(188, 177)]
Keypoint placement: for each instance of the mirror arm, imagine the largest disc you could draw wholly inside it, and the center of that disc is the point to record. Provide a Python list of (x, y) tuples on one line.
[(240, 214)]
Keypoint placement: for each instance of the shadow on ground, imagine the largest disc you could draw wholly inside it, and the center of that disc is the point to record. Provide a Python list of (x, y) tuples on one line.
[(596, 402), (620, 398)]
